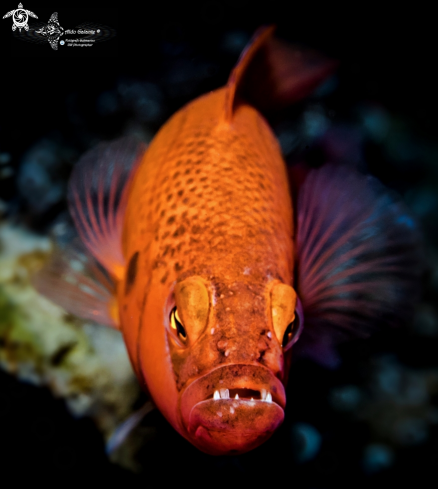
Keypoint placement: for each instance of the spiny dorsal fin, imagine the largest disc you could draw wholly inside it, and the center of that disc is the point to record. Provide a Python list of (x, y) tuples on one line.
[(247, 55), (272, 74)]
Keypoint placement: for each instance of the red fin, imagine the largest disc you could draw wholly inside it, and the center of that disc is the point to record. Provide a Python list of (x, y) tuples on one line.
[(74, 281), (271, 74), (235, 79), (358, 258), (97, 194)]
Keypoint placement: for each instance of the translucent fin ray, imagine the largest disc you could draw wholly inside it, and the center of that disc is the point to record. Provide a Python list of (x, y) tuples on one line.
[(122, 432), (97, 195), (358, 258), (74, 281)]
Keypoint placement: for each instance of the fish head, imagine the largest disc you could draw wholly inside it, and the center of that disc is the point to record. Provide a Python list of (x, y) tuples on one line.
[(227, 357)]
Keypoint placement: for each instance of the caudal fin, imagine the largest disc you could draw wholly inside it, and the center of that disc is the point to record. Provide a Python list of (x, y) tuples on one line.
[(357, 259)]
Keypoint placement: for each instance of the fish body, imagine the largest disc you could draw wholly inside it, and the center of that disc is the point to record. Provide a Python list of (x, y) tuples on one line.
[(210, 200), (197, 233)]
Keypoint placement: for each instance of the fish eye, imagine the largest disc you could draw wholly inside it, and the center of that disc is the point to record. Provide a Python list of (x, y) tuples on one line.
[(292, 330), (177, 326)]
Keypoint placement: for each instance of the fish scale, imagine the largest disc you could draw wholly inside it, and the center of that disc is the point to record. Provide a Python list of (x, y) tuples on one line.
[(231, 194)]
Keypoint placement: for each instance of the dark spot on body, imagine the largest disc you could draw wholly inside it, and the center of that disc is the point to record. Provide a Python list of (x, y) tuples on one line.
[(164, 278), (171, 220), (187, 172), (186, 200), (169, 197), (180, 192), (178, 267), (179, 232), (131, 272)]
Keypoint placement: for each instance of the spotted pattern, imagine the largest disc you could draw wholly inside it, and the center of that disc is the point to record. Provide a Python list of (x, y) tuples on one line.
[(212, 199)]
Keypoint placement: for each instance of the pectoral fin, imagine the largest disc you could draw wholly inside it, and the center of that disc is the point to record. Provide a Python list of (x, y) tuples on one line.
[(97, 195), (74, 280), (358, 259)]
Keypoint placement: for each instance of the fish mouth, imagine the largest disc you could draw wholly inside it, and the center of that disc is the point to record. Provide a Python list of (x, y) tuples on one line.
[(233, 408)]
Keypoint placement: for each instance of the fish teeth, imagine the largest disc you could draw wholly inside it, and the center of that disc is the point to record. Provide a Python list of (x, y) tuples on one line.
[(225, 393)]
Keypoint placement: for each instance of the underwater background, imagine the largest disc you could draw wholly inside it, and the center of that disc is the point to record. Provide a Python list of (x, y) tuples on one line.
[(372, 421)]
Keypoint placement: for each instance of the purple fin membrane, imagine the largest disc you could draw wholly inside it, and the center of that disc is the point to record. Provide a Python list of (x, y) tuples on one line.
[(358, 259), (74, 280), (97, 195)]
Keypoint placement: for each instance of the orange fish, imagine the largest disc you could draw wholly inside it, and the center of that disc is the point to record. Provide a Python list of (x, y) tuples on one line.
[(211, 262)]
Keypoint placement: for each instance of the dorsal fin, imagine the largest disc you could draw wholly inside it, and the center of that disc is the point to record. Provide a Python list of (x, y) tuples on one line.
[(271, 74), (235, 79)]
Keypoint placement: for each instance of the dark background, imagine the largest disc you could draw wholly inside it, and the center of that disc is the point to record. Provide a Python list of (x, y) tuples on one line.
[(387, 58)]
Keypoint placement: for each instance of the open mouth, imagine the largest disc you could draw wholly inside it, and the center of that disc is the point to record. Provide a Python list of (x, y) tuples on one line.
[(233, 408), (242, 394)]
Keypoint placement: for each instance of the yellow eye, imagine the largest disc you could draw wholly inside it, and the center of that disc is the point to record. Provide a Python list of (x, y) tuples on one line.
[(176, 325), (288, 334)]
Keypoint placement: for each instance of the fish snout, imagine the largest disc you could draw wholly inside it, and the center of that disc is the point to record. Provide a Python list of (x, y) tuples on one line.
[(261, 347)]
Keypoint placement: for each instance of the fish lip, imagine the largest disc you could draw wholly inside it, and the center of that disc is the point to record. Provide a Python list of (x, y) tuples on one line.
[(250, 376)]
